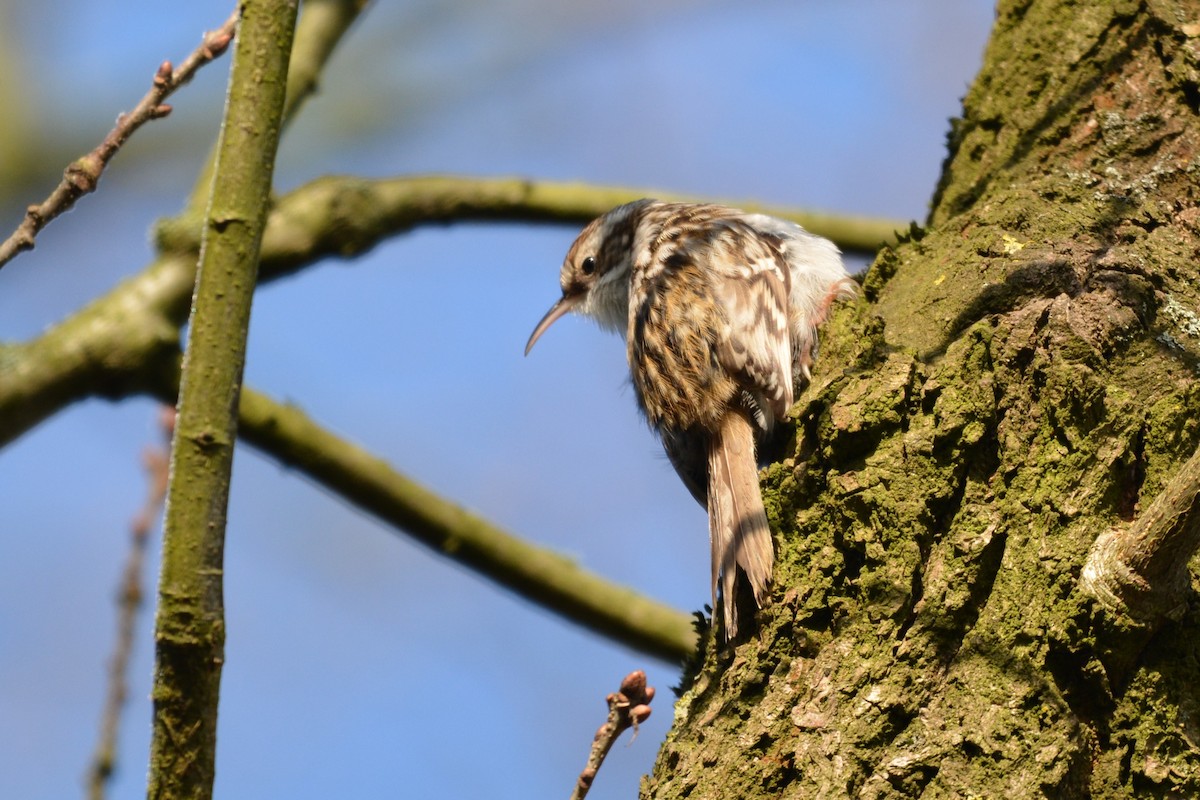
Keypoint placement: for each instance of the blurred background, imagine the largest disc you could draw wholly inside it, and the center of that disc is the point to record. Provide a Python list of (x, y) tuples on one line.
[(358, 664)]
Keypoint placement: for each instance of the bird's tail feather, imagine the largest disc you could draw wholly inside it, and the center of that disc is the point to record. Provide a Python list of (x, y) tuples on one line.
[(737, 522)]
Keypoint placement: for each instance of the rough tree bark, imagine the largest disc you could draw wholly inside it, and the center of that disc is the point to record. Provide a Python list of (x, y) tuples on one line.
[(1019, 379)]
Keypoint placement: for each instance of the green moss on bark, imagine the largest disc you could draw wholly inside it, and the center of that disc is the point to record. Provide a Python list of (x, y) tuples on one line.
[(1020, 377)]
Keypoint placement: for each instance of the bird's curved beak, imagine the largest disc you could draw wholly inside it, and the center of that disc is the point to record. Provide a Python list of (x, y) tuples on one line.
[(565, 304)]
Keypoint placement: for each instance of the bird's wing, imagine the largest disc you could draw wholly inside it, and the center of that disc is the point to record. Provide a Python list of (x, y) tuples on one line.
[(817, 278), (750, 283)]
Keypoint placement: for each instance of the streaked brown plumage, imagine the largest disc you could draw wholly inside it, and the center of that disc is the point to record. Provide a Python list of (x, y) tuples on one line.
[(719, 310)]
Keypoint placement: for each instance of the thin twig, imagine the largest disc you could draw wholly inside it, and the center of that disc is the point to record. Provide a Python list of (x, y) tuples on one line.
[(627, 708), (129, 601), (83, 174)]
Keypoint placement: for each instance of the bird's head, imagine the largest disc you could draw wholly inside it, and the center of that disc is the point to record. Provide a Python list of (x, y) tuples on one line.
[(595, 273)]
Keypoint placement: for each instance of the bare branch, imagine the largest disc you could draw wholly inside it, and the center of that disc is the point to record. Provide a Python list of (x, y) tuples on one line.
[(627, 708), (129, 601), (82, 175)]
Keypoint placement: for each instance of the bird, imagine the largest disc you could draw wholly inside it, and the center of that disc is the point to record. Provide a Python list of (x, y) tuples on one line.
[(719, 310)]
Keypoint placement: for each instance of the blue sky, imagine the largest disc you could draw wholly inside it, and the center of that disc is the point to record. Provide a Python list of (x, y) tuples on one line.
[(358, 664)]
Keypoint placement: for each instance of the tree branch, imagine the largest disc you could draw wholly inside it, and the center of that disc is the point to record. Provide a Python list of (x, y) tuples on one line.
[(536, 574), (129, 601), (190, 625), (1141, 571), (319, 30), (103, 348), (1138, 574), (627, 708), (347, 216), (82, 175), (113, 347)]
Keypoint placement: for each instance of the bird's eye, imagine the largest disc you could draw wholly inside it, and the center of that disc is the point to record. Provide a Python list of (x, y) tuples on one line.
[(588, 265)]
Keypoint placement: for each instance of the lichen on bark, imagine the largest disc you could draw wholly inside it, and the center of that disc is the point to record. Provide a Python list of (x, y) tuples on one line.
[(1019, 377)]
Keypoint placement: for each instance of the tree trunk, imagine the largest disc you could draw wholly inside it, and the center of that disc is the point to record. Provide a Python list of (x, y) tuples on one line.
[(1020, 378)]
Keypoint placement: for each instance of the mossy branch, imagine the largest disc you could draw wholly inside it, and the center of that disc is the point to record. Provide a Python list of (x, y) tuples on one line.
[(103, 349), (535, 573), (190, 624), (319, 30), (347, 216), (113, 347), (1141, 571)]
